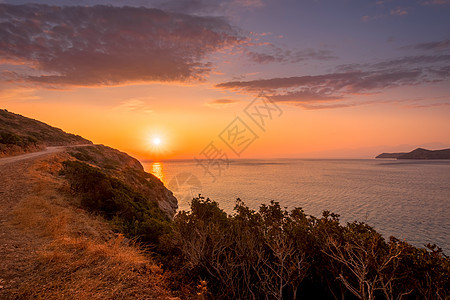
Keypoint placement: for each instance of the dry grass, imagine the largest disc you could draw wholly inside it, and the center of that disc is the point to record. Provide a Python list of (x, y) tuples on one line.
[(82, 258), (81, 268)]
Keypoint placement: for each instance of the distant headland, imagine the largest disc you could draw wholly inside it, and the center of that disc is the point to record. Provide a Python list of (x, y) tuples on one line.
[(419, 153)]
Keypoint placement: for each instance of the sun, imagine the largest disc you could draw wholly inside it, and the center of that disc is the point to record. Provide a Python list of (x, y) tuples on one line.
[(156, 141)]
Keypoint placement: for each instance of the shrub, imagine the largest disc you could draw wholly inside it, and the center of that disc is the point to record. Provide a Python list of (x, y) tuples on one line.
[(279, 254), (10, 138), (270, 253), (129, 211)]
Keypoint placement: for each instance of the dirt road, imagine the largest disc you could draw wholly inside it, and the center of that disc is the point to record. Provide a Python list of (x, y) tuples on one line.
[(17, 247), (48, 150)]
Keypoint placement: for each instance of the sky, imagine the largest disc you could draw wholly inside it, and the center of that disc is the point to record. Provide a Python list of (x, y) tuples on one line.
[(232, 78)]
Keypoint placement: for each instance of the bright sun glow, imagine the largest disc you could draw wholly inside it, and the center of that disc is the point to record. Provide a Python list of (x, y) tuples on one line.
[(156, 141)]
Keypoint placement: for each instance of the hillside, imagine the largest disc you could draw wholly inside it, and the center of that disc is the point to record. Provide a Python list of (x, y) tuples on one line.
[(53, 248), (71, 217), (419, 153), (129, 170), (19, 135)]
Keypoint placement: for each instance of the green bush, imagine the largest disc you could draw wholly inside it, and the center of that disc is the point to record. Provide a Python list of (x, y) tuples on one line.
[(129, 211), (82, 156), (10, 138)]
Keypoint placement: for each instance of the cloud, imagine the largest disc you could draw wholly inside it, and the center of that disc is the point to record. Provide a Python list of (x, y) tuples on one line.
[(427, 105), (250, 3), (368, 18), (402, 62), (305, 96), (434, 46), (10, 94), (278, 55), (105, 45), (394, 12), (351, 82), (222, 102), (398, 11), (443, 72), (435, 2), (134, 105), (198, 7), (332, 90), (209, 7)]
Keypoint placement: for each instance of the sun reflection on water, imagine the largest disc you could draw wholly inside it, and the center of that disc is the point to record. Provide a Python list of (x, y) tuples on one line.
[(157, 170)]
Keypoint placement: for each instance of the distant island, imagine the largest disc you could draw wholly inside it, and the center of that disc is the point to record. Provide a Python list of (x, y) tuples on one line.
[(419, 153)]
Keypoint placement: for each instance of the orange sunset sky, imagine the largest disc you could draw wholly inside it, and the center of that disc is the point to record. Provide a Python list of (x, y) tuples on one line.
[(352, 81)]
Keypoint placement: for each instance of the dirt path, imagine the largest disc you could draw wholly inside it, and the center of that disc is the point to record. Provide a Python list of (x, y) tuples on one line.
[(16, 246), (48, 150)]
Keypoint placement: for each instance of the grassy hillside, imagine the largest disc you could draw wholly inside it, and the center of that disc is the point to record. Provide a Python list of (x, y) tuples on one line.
[(89, 213), (53, 249), (19, 135)]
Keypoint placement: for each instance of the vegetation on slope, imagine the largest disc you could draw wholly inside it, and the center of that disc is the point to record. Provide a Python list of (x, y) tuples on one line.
[(278, 254), (270, 253), (130, 212), (130, 171), (19, 134)]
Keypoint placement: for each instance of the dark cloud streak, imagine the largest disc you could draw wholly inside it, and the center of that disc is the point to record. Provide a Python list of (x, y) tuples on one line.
[(314, 92), (352, 82), (278, 55), (223, 101), (434, 46)]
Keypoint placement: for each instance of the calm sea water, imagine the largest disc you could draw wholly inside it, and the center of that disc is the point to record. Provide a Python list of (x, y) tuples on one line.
[(407, 199)]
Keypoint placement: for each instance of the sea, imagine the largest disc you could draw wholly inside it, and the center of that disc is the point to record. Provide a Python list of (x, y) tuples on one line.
[(408, 199)]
